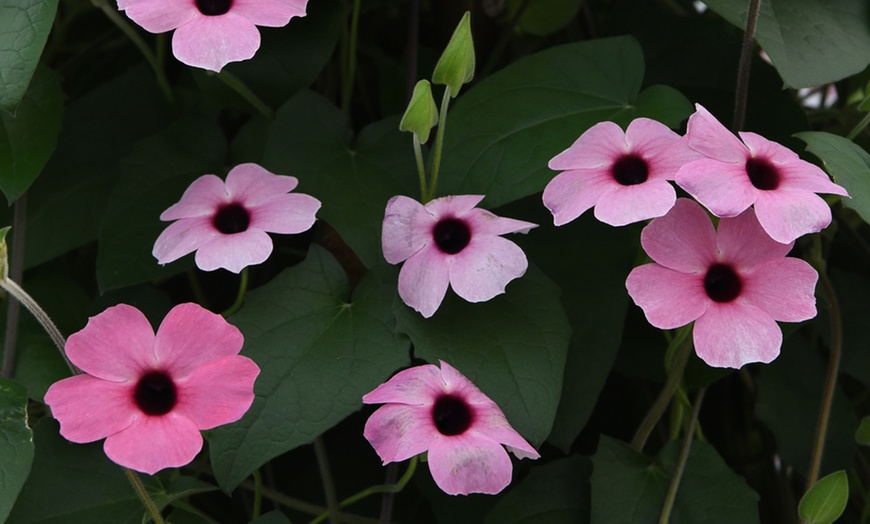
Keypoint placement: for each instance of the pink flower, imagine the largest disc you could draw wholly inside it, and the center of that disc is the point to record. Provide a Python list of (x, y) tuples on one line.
[(624, 175), (449, 241), (212, 33), (149, 396), (226, 223), (735, 283), (736, 175), (442, 412)]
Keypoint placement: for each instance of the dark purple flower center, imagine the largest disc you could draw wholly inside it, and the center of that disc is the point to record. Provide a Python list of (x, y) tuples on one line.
[(722, 283), (155, 393), (762, 174), (214, 7), (451, 235), (231, 218), (630, 170), (452, 415)]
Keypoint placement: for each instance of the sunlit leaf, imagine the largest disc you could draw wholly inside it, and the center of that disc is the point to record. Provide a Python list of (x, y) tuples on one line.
[(24, 28), (826, 500)]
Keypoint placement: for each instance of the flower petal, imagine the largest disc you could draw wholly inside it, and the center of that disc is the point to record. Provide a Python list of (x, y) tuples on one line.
[(269, 13), (709, 137), (234, 252), (452, 206), (630, 204), (806, 176), (745, 244), (684, 239), (761, 147), (467, 463), (399, 432), (89, 408), (571, 193), (483, 269), (285, 214), (115, 345), (183, 237), (417, 386), (406, 230), (788, 214), (154, 443), (211, 42), (424, 279), (784, 289), (201, 199), (647, 137), (598, 147), (734, 334), (669, 298), (251, 184), (159, 16), (218, 392), (191, 336), (722, 187), (486, 222)]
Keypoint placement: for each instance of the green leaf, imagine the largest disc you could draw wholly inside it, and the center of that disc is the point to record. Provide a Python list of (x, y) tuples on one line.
[(512, 347), (179, 488), (422, 113), (630, 487), (319, 348), (66, 203), (16, 451), (24, 28), (826, 500), (456, 65), (544, 17), (354, 179), (83, 484), (810, 42), (273, 517), (555, 493), (153, 177), (505, 130), (862, 434), (28, 138), (848, 164)]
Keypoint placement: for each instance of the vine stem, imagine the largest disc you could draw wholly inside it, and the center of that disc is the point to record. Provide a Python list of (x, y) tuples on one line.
[(833, 367), (326, 478), (860, 127), (421, 168), (240, 297), (683, 458), (144, 496), (439, 144), (233, 82), (680, 347), (347, 87), (16, 268), (742, 89)]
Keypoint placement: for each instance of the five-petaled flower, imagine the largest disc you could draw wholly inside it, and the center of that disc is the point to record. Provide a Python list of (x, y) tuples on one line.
[(451, 242), (227, 223), (735, 283), (736, 175), (150, 395), (624, 175), (442, 412), (212, 33)]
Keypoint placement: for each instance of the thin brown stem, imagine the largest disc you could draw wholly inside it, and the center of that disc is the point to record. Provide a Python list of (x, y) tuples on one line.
[(326, 478), (16, 271), (742, 90)]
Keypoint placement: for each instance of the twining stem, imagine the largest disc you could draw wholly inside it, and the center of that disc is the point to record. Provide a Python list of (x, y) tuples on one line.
[(439, 144), (326, 478), (347, 86), (680, 347), (833, 365), (245, 92), (258, 494), (134, 37), (421, 168), (144, 496), (240, 297), (385, 488), (742, 89), (860, 127), (16, 269), (683, 458)]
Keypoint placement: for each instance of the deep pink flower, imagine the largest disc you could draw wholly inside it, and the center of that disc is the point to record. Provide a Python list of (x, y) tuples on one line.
[(442, 412), (624, 175), (212, 33), (735, 283), (149, 396), (449, 241), (227, 223), (736, 175)]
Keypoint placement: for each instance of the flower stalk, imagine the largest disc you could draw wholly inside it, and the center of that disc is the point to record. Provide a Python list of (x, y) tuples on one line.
[(146, 499), (683, 458)]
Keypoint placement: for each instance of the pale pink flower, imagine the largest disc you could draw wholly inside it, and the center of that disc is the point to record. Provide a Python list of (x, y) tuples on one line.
[(736, 175), (451, 242), (150, 395), (227, 223), (442, 412), (734, 283), (212, 33), (624, 175)]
